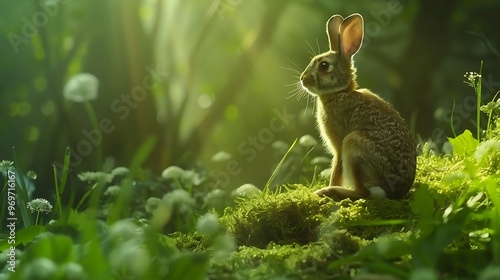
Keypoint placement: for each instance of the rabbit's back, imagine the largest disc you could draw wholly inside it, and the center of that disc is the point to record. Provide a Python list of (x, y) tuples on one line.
[(381, 135)]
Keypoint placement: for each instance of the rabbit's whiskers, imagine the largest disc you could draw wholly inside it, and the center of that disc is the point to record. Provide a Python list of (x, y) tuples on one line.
[(297, 90), (312, 52)]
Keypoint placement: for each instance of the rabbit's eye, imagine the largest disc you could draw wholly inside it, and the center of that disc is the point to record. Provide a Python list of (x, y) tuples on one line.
[(323, 66)]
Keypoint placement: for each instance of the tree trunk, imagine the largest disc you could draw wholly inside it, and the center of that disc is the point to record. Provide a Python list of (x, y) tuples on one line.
[(418, 63)]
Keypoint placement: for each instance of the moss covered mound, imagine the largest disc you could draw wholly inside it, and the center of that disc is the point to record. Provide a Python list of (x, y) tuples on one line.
[(294, 216), (369, 219), (293, 234), (286, 217), (290, 261)]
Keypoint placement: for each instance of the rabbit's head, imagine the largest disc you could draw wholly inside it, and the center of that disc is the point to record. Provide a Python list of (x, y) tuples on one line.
[(332, 71)]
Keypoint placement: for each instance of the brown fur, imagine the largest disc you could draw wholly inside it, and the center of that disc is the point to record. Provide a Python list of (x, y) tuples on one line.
[(371, 143)]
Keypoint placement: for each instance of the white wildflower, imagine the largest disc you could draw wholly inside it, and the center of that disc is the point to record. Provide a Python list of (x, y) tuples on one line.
[(172, 172), (246, 190), (152, 204), (6, 165), (485, 148), (74, 271), (470, 79), (112, 191), (281, 146), (40, 268), (180, 198), (95, 177), (321, 160), (119, 171), (224, 244), (40, 205), (192, 178), (207, 224), (308, 141), (123, 230), (221, 157), (325, 174), (131, 257), (81, 87), (214, 198)]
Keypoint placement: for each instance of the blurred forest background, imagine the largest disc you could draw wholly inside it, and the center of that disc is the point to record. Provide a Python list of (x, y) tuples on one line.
[(220, 76)]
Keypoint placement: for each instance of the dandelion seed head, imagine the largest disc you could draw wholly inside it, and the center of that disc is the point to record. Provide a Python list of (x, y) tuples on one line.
[(95, 177), (123, 230), (246, 190), (221, 157), (74, 271), (40, 268), (81, 87), (308, 141), (131, 257), (112, 191), (207, 224), (172, 172), (281, 146), (190, 177), (119, 171), (152, 204), (179, 197), (214, 198)]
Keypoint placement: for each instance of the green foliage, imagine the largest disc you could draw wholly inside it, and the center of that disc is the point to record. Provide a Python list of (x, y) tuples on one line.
[(23, 192), (130, 224), (464, 144), (23, 237), (60, 184), (188, 266), (276, 262), (369, 219), (451, 214), (280, 164), (58, 249)]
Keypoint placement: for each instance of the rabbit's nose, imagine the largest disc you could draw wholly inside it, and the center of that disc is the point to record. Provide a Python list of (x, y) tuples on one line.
[(306, 80)]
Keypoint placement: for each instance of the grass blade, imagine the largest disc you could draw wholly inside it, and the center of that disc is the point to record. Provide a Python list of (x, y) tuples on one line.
[(273, 175), (22, 196)]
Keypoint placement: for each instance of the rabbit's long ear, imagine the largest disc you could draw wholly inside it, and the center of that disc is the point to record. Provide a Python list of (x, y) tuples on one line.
[(351, 34), (333, 31)]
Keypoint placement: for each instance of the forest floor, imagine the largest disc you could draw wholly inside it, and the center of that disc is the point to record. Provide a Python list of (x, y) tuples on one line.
[(174, 227)]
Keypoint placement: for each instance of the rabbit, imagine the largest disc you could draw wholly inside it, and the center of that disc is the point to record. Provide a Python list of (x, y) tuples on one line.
[(373, 150)]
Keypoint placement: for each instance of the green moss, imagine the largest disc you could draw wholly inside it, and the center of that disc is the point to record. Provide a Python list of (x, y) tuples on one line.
[(369, 218), (290, 261), (192, 241), (284, 218), (293, 234)]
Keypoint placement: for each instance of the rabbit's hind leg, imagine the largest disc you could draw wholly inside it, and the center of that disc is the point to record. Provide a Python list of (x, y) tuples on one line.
[(337, 170), (358, 165), (352, 170)]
